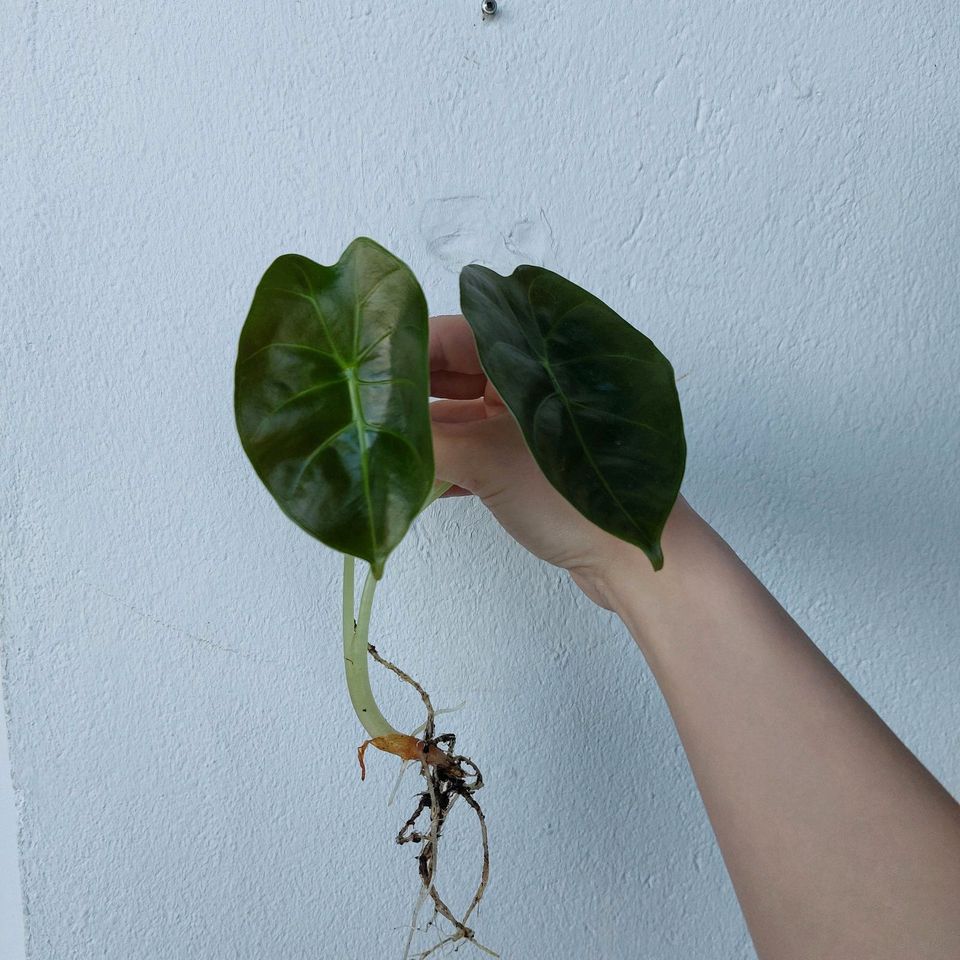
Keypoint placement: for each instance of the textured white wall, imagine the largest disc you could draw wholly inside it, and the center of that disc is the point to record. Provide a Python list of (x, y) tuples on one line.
[(769, 191), (11, 903)]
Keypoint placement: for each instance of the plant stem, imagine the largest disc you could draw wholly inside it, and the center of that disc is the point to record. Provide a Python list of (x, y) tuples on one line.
[(356, 637)]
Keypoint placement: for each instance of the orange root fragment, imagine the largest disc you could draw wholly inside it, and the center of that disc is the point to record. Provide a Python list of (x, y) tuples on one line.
[(405, 747)]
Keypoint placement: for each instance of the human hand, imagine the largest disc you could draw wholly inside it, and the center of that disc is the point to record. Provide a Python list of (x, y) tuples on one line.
[(479, 448)]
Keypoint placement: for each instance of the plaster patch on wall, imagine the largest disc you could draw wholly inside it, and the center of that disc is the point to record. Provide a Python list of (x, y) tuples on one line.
[(532, 240), (458, 230), (453, 229)]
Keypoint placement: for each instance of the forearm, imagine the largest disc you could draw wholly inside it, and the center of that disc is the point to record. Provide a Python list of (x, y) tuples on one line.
[(838, 841)]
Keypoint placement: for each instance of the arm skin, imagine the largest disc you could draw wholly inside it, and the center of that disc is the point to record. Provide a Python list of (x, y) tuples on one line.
[(840, 844)]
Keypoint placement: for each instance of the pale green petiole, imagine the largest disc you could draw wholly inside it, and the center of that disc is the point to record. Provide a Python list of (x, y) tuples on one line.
[(356, 638), (355, 659)]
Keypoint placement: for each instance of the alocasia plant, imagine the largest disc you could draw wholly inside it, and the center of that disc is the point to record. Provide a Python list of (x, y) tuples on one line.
[(332, 408)]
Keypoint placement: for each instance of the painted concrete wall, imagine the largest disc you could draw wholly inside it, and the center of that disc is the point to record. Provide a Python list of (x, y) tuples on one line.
[(11, 902), (769, 191)]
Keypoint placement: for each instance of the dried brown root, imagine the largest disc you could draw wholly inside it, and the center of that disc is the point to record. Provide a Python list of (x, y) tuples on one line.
[(449, 776)]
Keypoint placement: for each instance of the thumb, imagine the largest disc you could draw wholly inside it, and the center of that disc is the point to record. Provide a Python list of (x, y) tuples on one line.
[(473, 454)]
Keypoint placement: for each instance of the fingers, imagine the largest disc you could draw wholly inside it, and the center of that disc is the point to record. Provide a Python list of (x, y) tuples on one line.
[(457, 453), (456, 386), (453, 411), (471, 449), (455, 370), (452, 347), (457, 411)]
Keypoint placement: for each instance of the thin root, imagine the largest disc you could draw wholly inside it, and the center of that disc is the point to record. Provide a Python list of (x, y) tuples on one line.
[(449, 776)]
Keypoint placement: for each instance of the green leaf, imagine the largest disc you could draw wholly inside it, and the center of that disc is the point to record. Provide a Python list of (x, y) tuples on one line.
[(595, 399), (331, 397)]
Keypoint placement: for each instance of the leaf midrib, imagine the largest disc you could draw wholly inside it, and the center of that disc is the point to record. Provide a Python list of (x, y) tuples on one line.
[(586, 450), (360, 421), (545, 360)]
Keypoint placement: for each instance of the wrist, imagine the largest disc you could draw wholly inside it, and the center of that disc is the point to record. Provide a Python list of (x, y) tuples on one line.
[(646, 599)]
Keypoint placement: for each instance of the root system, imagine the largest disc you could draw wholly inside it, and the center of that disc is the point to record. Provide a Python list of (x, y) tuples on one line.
[(449, 776)]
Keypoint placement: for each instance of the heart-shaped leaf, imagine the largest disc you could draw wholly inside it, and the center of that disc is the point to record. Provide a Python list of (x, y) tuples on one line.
[(331, 397), (596, 401)]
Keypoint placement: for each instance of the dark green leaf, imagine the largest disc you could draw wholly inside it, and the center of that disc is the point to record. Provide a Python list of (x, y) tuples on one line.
[(595, 399), (331, 397)]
